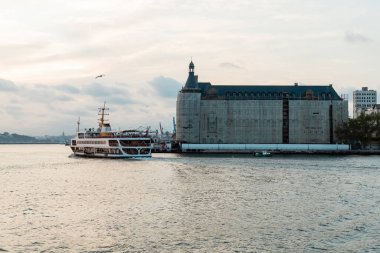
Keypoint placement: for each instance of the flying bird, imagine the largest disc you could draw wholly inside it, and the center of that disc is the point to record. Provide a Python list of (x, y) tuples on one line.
[(99, 76)]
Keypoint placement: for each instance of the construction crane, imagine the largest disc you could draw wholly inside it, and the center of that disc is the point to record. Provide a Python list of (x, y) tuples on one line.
[(161, 130), (174, 126)]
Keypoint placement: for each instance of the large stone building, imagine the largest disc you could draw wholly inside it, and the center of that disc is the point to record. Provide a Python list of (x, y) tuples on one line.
[(230, 114), (364, 100)]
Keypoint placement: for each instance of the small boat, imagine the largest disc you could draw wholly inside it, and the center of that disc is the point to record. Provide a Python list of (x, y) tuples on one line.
[(103, 142), (263, 154)]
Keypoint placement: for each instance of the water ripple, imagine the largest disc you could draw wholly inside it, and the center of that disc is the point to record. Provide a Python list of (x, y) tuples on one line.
[(187, 203)]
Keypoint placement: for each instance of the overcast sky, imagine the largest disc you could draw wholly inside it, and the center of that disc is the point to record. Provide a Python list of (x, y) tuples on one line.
[(52, 50)]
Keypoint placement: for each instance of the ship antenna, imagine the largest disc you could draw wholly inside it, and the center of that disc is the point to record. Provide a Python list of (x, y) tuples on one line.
[(78, 124)]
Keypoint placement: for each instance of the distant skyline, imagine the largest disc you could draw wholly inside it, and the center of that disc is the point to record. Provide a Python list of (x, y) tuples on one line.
[(51, 52)]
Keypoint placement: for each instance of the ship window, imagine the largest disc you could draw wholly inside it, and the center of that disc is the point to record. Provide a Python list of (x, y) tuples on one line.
[(130, 151), (144, 151)]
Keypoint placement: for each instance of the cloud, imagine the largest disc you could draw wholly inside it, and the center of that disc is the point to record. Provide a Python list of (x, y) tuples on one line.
[(14, 111), (355, 38), (166, 87), (65, 48), (229, 65), (6, 85), (121, 100), (20, 52), (68, 89), (63, 98), (100, 90), (43, 94)]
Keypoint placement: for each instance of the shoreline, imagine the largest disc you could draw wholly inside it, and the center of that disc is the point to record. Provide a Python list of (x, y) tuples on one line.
[(31, 143), (226, 152), (287, 152)]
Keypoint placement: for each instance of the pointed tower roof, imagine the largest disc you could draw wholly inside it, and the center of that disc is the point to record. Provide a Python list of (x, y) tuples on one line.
[(192, 80)]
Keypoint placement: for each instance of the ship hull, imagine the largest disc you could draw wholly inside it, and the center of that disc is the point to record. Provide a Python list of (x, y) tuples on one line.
[(100, 155), (112, 147)]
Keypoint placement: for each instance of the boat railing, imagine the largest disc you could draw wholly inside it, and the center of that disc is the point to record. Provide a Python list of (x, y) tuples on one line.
[(93, 136)]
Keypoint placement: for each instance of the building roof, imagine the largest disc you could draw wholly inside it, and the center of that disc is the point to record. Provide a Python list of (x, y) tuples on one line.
[(258, 92), (312, 92)]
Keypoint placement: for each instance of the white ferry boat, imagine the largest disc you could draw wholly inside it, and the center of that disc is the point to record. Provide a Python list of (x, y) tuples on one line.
[(103, 142)]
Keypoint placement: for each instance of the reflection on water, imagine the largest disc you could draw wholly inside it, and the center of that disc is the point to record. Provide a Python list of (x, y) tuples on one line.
[(51, 202)]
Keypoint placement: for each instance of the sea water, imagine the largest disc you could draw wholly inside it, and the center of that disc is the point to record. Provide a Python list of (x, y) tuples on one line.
[(51, 201)]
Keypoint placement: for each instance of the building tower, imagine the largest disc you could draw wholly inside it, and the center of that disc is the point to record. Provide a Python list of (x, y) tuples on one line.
[(192, 79), (363, 100), (188, 109)]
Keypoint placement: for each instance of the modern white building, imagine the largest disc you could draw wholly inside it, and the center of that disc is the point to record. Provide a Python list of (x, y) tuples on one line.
[(364, 100)]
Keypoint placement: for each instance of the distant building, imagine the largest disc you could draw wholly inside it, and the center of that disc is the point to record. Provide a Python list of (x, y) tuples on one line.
[(236, 114), (363, 100), (374, 109)]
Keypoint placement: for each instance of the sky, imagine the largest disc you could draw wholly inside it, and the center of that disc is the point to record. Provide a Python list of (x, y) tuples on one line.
[(52, 50)]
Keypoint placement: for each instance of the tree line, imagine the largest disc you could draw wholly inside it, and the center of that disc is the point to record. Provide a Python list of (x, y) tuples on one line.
[(8, 138), (361, 131)]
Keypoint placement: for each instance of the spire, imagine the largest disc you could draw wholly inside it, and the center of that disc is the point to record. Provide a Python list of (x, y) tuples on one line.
[(191, 66), (192, 80)]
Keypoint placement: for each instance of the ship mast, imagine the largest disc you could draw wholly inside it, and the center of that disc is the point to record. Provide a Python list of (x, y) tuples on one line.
[(102, 114)]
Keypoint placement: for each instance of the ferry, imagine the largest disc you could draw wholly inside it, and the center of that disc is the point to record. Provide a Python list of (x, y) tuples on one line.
[(103, 142)]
